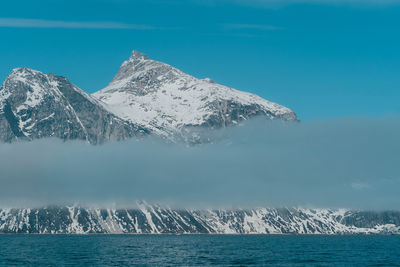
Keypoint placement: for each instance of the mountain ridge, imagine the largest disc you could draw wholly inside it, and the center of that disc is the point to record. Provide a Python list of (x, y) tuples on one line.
[(167, 100), (145, 97), (154, 219), (35, 105)]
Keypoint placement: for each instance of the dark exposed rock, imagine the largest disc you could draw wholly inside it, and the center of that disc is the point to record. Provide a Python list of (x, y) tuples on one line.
[(151, 219), (34, 105)]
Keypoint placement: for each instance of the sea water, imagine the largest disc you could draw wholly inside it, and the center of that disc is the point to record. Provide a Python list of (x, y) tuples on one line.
[(200, 250)]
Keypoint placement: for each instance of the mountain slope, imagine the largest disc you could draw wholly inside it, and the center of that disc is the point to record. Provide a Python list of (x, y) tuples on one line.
[(163, 98), (158, 220), (34, 105)]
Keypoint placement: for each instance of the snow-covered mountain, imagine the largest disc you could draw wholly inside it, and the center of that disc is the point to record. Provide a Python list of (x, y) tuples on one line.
[(158, 220), (145, 97), (35, 105), (166, 100)]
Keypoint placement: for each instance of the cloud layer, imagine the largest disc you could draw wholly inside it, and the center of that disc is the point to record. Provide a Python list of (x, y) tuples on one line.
[(352, 163), (250, 26), (39, 23)]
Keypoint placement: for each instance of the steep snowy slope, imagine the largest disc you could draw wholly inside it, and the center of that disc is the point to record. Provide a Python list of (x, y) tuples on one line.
[(158, 220), (35, 105), (163, 98)]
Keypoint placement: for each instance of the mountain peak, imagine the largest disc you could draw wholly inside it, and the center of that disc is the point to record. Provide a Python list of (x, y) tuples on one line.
[(33, 80), (156, 95), (24, 71), (136, 55), (35, 105)]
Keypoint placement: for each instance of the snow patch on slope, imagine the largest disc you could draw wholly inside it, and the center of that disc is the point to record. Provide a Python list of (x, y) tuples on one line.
[(157, 220), (155, 94)]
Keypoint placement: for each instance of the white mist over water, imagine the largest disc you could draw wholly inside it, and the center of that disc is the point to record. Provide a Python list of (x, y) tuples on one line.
[(351, 163)]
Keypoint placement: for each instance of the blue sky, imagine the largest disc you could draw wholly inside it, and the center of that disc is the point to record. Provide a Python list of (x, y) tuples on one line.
[(322, 58)]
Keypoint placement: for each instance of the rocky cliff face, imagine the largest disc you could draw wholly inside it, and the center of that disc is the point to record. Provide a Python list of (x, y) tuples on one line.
[(34, 105), (168, 101), (151, 219)]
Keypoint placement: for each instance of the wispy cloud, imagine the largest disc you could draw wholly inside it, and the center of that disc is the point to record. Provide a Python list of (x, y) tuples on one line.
[(40, 23), (251, 27), (278, 3), (360, 186)]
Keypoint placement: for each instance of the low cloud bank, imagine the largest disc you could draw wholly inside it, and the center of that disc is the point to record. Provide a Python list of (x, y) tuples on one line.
[(351, 163)]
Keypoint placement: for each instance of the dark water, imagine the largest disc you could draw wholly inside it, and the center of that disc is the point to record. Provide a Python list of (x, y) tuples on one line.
[(199, 250)]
